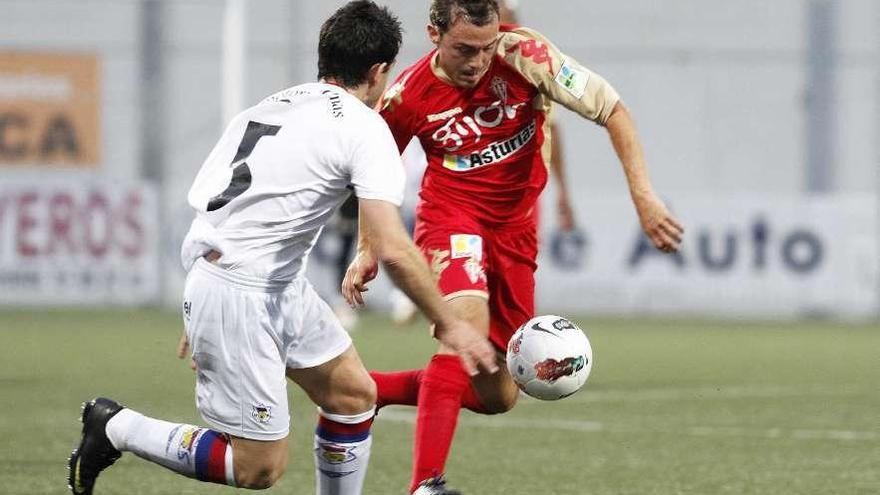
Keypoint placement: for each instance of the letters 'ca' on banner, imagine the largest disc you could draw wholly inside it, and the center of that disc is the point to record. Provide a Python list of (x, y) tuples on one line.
[(50, 107)]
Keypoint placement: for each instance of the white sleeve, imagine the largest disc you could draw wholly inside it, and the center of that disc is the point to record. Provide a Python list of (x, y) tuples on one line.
[(376, 168)]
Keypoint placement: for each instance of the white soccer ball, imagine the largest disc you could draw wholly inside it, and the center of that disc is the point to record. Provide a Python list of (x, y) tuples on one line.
[(549, 357)]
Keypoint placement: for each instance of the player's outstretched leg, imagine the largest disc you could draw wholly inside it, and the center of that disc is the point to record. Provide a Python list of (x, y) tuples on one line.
[(201, 453), (439, 402), (192, 451), (397, 387), (95, 452), (401, 388), (443, 387)]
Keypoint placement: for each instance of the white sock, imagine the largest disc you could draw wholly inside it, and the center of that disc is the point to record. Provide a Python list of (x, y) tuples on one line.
[(186, 449), (342, 452)]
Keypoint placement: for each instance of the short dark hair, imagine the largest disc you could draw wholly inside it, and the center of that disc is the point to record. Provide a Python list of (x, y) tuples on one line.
[(356, 37), (445, 13)]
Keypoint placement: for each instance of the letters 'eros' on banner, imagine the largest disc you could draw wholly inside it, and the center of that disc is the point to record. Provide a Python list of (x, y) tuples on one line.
[(68, 242)]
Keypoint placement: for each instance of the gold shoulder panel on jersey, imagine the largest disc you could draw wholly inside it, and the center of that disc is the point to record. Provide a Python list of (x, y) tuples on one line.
[(556, 75), (530, 53), (393, 96)]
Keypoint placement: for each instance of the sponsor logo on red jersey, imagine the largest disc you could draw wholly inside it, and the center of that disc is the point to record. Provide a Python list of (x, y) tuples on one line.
[(451, 135), (448, 114), (493, 153)]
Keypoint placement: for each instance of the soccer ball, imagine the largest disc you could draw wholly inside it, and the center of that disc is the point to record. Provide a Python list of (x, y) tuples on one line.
[(549, 357)]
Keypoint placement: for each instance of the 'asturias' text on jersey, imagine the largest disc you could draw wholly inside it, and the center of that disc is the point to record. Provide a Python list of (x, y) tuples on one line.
[(493, 153)]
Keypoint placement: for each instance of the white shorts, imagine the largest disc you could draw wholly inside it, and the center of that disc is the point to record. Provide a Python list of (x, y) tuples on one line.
[(244, 333)]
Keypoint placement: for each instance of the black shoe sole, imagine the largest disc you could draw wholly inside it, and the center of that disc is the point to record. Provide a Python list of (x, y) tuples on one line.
[(71, 466), (74, 456)]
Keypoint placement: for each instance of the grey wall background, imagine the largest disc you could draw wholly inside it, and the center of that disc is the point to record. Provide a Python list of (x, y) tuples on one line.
[(721, 90)]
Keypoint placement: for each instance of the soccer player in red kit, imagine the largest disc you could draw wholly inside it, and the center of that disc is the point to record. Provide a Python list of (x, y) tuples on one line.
[(479, 104)]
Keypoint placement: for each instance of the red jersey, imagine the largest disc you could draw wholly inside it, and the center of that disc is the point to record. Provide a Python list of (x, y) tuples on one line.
[(488, 147)]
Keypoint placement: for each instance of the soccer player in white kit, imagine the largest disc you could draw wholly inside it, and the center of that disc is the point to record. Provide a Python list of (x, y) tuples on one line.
[(261, 198)]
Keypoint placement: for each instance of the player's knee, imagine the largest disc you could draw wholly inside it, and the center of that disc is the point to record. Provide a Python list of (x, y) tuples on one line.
[(259, 477), (261, 468), (355, 400), (500, 405), (502, 402)]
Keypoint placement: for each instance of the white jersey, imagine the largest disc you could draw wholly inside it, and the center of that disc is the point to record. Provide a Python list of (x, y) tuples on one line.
[(279, 172)]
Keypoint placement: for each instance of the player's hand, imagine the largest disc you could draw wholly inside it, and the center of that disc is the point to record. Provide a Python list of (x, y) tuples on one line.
[(183, 350), (363, 268), (564, 213), (659, 225), (474, 350)]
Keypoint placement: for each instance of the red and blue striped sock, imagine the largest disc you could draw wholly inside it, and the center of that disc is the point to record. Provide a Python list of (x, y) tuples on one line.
[(210, 461), (186, 449), (342, 451)]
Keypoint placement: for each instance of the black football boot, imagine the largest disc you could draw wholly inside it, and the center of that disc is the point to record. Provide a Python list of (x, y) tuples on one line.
[(95, 452)]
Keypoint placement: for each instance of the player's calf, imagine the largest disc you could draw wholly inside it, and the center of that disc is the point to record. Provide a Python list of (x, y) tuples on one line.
[(258, 464), (497, 403), (496, 393)]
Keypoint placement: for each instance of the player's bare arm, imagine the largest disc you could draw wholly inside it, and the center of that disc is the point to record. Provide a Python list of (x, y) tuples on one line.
[(183, 350), (565, 81), (391, 245), (564, 211), (363, 268), (658, 223)]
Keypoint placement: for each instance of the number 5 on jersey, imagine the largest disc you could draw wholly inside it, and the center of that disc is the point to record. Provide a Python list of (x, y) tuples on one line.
[(241, 174)]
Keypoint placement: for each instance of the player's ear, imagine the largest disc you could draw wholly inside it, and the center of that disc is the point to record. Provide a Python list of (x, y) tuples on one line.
[(433, 34), (377, 71)]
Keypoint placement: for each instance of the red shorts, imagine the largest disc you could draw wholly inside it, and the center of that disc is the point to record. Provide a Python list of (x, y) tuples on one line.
[(497, 264)]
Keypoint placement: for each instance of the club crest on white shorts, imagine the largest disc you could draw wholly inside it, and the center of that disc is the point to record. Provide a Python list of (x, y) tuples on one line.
[(262, 413)]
